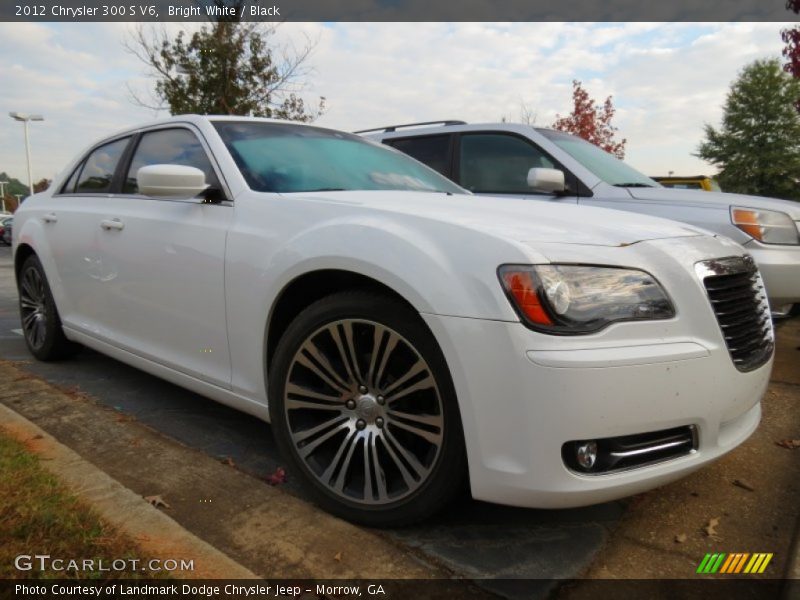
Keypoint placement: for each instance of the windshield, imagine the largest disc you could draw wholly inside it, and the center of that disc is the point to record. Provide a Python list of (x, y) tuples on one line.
[(598, 161), (276, 157)]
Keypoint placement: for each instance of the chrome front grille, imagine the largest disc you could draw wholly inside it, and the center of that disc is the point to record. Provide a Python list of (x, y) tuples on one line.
[(740, 304)]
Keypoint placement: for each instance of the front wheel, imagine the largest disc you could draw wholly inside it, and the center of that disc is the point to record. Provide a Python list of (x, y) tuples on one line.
[(362, 404), (41, 324)]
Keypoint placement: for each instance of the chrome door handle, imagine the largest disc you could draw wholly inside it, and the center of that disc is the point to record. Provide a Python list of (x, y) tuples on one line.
[(112, 224), (50, 218)]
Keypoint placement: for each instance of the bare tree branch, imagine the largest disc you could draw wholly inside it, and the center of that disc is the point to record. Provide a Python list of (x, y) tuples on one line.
[(230, 67)]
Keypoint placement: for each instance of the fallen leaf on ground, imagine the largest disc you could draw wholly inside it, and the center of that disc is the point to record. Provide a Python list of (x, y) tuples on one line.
[(789, 444), (228, 461), (337, 557), (38, 436), (156, 501), (711, 528), (75, 392), (680, 538), (744, 485), (278, 477)]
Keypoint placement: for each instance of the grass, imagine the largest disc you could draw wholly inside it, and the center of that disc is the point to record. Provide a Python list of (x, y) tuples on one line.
[(38, 515)]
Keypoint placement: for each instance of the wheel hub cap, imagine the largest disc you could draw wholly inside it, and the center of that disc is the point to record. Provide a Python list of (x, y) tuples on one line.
[(367, 408)]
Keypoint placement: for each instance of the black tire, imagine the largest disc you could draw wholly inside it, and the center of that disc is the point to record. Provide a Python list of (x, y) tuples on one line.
[(382, 445), (41, 324)]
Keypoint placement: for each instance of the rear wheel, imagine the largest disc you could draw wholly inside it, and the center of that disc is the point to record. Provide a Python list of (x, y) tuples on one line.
[(363, 405), (41, 325)]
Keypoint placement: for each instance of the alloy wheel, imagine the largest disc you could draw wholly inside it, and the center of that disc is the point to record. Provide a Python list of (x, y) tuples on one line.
[(33, 306), (364, 412)]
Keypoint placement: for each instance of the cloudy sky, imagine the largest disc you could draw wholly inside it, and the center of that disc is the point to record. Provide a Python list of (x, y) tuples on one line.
[(667, 79)]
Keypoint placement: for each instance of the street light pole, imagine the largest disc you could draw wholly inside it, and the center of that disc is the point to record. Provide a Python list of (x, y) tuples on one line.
[(3, 185), (25, 118)]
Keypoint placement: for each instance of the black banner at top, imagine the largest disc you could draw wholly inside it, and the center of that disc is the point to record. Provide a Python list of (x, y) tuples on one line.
[(395, 10)]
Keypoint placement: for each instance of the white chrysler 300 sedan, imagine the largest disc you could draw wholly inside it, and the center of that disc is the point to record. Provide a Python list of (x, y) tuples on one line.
[(398, 333)]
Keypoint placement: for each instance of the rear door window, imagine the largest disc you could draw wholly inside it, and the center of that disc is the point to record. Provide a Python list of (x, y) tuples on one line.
[(433, 150)]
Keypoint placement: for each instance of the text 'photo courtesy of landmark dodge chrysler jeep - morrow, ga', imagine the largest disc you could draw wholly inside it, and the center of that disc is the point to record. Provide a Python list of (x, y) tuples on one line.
[(399, 333), (525, 161)]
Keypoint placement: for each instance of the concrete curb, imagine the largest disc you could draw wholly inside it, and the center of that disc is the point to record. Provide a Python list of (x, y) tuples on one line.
[(154, 532), (264, 529), (791, 589)]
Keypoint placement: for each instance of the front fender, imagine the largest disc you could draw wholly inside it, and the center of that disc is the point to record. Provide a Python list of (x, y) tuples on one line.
[(423, 269), (438, 268)]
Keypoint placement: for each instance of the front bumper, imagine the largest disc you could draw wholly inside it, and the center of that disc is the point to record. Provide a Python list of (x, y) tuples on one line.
[(522, 395), (780, 270)]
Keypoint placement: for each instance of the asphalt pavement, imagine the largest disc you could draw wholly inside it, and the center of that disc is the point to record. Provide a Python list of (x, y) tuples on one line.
[(472, 539)]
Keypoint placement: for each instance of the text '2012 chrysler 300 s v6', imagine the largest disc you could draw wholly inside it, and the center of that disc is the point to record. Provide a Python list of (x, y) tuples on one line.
[(399, 333)]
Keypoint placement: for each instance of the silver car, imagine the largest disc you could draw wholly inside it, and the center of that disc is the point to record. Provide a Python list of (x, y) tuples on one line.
[(524, 161)]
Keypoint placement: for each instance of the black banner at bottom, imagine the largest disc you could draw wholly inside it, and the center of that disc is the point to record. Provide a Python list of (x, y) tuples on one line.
[(339, 589)]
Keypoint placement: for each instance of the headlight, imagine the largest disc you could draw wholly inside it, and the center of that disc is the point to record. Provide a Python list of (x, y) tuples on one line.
[(574, 299), (767, 226)]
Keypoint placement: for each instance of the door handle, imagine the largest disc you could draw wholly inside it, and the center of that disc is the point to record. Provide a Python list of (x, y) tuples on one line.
[(50, 218), (108, 224)]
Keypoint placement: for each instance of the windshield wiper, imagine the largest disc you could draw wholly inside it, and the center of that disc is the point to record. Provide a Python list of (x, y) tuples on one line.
[(633, 185), (325, 190)]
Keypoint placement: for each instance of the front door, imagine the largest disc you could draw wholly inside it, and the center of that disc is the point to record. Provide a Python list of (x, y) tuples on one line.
[(168, 260)]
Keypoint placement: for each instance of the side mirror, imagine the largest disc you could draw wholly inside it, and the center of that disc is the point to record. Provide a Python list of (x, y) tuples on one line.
[(171, 181), (546, 180)]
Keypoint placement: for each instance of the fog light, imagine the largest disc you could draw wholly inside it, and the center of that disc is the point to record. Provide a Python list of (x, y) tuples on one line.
[(586, 453)]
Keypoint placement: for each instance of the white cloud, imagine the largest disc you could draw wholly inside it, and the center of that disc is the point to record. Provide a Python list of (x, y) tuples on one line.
[(666, 79)]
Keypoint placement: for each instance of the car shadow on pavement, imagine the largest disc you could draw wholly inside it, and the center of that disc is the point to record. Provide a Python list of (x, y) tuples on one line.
[(474, 539)]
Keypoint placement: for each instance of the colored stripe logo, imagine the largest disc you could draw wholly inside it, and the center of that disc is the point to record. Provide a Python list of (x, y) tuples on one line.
[(736, 562)]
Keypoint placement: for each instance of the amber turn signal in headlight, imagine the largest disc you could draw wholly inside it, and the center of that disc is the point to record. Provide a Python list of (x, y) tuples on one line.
[(767, 226), (579, 299)]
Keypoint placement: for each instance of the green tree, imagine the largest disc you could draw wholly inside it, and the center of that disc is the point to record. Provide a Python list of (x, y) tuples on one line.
[(757, 149), (226, 68)]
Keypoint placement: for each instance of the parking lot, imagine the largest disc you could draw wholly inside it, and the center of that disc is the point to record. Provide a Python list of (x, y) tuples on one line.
[(473, 540)]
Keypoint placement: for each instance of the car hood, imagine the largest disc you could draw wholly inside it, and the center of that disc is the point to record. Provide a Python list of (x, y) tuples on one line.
[(522, 220), (722, 199)]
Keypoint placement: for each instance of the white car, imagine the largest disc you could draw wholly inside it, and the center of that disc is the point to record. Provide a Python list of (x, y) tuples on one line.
[(498, 158), (396, 331)]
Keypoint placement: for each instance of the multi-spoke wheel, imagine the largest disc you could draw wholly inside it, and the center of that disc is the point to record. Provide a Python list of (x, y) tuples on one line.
[(362, 402), (41, 324)]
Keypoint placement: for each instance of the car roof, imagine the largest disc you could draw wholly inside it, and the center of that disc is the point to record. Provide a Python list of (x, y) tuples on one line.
[(422, 129), (681, 178), (198, 119)]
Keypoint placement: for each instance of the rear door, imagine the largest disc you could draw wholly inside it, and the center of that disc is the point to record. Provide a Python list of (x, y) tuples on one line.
[(71, 224), (167, 293)]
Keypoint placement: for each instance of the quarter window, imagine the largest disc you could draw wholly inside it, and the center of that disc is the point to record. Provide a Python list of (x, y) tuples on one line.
[(98, 170), (169, 147), (433, 150), (69, 187), (498, 163)]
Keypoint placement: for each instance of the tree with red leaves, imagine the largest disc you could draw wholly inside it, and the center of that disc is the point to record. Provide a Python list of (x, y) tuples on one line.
[(41, 185), (591, 122), (791, 52)]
